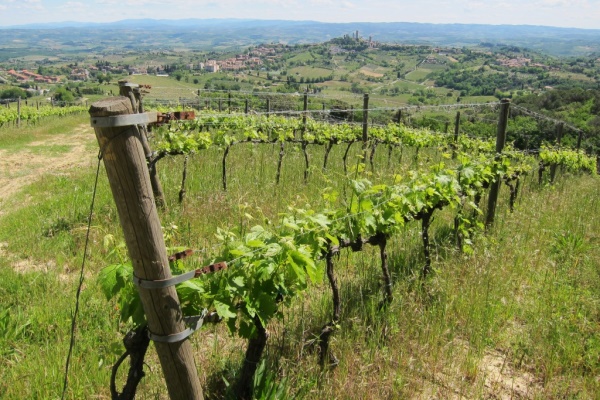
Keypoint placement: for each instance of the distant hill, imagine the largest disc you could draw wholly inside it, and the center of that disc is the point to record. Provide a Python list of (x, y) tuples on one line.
[(230, 33)]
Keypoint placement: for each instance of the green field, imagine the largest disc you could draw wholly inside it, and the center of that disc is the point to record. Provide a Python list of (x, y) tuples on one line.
[(310, 72), (418, 75)]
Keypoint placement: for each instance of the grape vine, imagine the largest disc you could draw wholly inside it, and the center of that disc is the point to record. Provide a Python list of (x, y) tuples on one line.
[(33, 114), (271, 264)]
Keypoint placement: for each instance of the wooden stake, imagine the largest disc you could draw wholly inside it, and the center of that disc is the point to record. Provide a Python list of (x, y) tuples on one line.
[(157, 190), (305, 108), (19, 112), (365, 132), (579, 137), (125, 164), (500, 142), (456, 132), (559, 134)]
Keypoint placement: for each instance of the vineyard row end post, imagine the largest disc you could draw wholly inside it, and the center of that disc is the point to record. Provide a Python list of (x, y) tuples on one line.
[(304, 114), (559, 135), (456, 133), (19, 112), (127, 172), (127, 89), (500, 142), (365, 125)]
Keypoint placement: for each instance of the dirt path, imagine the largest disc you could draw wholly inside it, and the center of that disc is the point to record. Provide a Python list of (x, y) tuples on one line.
[(21, 168)]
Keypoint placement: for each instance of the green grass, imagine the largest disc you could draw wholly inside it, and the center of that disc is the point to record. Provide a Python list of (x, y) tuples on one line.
[(302, 57), (527, 296), (418, 75), (13, 138), (310, 72)]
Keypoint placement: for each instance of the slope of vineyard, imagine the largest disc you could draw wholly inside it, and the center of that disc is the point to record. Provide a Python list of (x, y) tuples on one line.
[(525, 296)]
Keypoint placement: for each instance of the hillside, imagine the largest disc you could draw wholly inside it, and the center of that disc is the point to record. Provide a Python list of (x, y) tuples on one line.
[(199, 34)]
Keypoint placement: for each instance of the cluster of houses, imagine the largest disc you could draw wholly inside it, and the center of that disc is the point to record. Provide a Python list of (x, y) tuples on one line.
[(76, 74), (232, 64), (253, 59), (431, 59), (28, 76), (519, 62)]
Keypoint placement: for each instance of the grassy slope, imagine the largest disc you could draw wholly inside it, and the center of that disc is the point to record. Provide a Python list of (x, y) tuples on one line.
[(527, 298)]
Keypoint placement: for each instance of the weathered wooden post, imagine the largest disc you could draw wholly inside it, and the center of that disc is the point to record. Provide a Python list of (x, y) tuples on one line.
[(579, 137), (124, 159), (456, 132), (365, 126), (246, 107), (559, 134), (130, 90), (302, 135), (304, 114), (19, 112), (500, 142)]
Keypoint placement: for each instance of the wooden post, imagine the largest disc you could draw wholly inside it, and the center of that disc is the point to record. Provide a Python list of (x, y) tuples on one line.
[(456, 132), (305, 108), (559, 134), (220, 105), (127, 91), (268, 108), (125, 164), (229, 101), (19, 112), (399, 121), (500, 142), (246, 107), (365, 124), (579, 140)]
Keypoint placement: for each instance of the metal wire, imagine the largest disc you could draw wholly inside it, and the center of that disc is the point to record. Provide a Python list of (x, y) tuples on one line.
[(81, 277)]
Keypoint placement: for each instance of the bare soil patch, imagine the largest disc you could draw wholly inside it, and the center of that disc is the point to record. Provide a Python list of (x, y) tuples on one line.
[(369, 72), (24, 167), (491, 376)]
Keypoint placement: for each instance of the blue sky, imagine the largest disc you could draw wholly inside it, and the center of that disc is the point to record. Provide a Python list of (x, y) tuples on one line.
[(564, 13)]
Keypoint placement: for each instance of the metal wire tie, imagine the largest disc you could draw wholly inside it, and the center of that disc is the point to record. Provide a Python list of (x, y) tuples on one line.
[(124, 120), (193, 322), (164, 283)]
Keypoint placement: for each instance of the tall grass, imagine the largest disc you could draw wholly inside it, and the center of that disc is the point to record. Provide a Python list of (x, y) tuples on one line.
[(527, 297)]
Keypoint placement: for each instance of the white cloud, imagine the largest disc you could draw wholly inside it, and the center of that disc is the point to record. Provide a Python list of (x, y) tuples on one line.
[(74, 6)]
